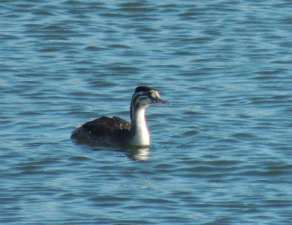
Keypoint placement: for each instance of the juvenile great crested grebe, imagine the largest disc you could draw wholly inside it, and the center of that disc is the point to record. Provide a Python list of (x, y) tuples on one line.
[(116, 131)]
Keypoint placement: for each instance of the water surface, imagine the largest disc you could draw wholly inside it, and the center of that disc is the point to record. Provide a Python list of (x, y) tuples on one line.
[(220, 154)]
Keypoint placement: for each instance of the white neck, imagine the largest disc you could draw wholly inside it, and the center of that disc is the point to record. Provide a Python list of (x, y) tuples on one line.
[(139, 129)]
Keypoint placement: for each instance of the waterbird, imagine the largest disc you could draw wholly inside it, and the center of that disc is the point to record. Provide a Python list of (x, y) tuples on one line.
[(112, 130)]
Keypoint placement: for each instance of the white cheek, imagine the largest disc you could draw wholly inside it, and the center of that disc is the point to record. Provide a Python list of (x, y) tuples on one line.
[(153, 95)]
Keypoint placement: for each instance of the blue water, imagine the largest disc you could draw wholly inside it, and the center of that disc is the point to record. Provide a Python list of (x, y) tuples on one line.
[(220, 154)]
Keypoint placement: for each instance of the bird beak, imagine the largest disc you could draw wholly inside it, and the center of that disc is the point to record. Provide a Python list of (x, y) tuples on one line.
[(159, 100)]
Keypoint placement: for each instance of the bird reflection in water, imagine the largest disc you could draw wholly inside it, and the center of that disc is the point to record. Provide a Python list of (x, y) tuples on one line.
[(139, 154)]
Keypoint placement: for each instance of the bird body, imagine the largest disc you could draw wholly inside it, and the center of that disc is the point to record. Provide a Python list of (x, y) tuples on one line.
[(104, 130), (117, 131)]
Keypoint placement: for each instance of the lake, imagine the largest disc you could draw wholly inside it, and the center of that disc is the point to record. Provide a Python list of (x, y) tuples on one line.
[(220, 154)]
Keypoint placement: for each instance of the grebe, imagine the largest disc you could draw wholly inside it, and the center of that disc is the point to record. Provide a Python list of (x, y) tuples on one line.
[(116, 131)]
